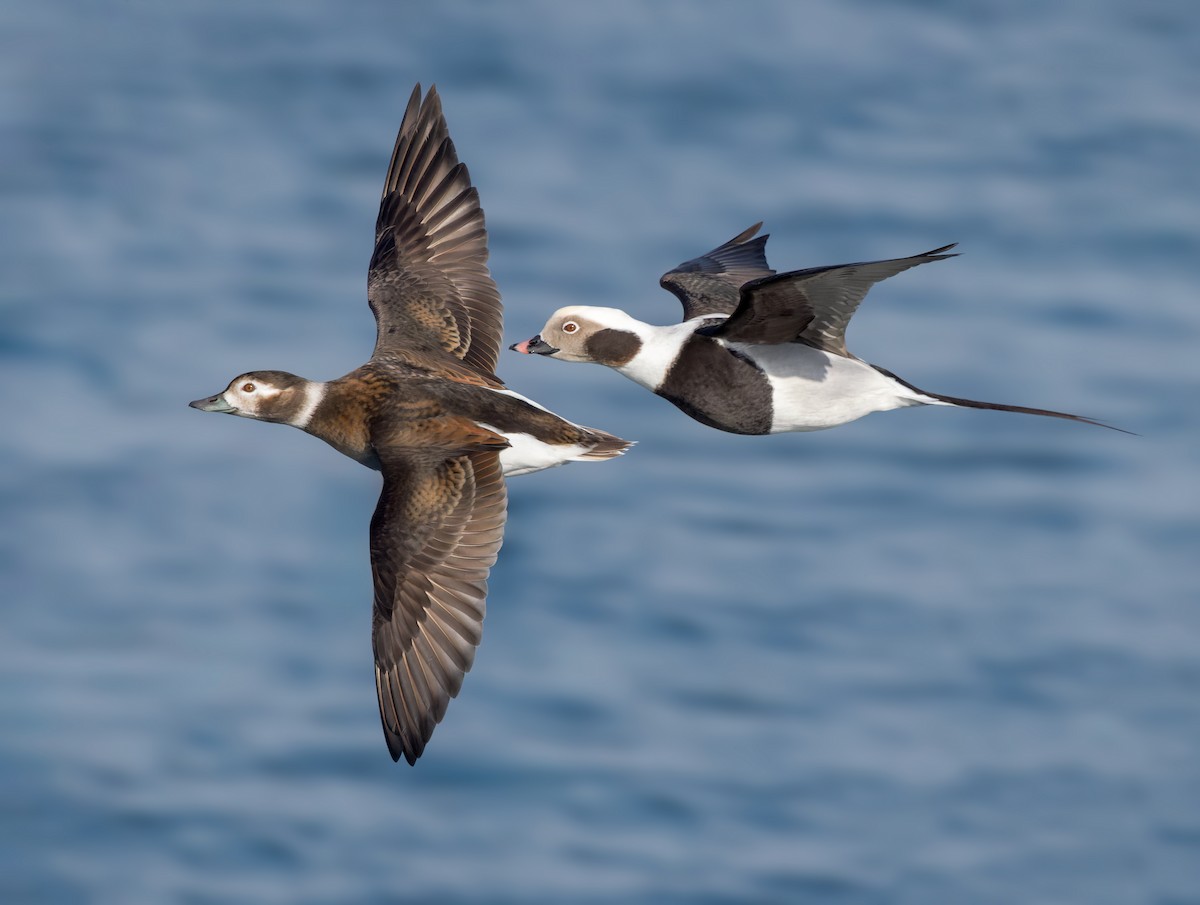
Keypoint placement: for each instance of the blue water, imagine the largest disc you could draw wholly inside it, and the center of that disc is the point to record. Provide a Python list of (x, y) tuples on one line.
[(931, 657)]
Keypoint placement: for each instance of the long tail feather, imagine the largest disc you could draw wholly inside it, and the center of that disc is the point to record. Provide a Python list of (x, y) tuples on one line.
[(1000, 407)]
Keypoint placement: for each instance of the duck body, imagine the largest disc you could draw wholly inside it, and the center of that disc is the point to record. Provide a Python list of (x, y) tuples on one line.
[(429, 413), (744, 388), (398, 407), (757, 352)]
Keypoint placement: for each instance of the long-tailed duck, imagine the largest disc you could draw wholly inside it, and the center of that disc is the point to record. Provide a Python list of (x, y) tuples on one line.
[(757, 352), (428, 411)]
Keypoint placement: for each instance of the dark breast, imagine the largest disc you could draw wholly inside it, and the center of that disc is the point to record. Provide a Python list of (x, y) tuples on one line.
[(347, 415), (720, 388)]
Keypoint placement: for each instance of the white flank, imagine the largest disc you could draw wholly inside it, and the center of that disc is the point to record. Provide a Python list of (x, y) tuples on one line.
[(528, 454), (314, 392), (814, 390)]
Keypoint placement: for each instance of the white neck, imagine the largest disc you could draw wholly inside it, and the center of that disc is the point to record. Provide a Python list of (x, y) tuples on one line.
[(660, 346), (314, 392)]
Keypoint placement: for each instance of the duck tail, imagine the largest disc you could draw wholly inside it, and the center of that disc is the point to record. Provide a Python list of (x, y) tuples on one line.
[(605, 445), (999, 407)]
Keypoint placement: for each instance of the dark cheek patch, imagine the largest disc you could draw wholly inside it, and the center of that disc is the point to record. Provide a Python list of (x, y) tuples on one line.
[(612, 347)]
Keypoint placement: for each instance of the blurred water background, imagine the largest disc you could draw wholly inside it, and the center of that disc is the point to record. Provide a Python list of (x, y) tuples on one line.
[(934, 656)]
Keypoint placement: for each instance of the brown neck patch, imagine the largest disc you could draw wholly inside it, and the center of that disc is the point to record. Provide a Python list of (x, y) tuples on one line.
[(613, 347)]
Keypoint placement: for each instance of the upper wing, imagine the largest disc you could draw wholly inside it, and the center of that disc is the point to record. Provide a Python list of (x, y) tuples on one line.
[(428, 283), (709, 284), (434, 537), (811, 306)]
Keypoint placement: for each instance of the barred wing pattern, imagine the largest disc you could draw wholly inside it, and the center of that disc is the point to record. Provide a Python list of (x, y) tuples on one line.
[(434, 537), (435, 302)]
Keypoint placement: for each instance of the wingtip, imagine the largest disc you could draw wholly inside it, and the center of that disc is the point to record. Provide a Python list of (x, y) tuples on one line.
[(397, 749), (746, 235), (414, 102), (941, 253)]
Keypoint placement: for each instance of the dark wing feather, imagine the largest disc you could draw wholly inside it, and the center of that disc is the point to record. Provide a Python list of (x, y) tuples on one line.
[(811, 306), (434, 537), (709, 284), (435, 302)]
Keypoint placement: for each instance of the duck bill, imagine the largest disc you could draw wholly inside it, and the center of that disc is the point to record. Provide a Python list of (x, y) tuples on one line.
[(215, 403), (534, 346)]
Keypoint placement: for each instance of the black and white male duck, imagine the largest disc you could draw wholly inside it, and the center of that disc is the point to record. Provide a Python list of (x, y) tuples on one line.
[(428, 411), (757, 352)]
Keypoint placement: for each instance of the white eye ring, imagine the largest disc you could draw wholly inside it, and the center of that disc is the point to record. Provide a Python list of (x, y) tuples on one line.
[(570, 327)]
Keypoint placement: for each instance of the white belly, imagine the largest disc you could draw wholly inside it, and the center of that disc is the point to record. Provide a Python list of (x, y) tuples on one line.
[(814, 390), (528, 454)]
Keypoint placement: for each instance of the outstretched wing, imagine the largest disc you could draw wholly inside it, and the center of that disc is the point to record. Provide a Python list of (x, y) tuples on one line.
[(811, 306), (435, 302), (434, 537), (709, 284)]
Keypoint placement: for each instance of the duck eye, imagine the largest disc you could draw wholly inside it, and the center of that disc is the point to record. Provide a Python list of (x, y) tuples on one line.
[(247, 388), (570, 327)]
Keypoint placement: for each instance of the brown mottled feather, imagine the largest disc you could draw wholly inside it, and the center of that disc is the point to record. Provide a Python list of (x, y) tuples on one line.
[(434, 537), (435, 303), (415, 411)]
